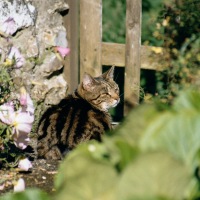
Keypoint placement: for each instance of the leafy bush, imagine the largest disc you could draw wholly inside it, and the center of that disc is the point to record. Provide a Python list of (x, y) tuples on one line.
[(16, 107), (153, 156), (31, 194), (181, 40)]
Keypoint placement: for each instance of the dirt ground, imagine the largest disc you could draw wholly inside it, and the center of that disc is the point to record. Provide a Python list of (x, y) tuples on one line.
[(40, 176)]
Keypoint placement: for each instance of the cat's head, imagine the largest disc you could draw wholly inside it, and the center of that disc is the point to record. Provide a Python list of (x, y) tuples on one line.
[(102, 92)]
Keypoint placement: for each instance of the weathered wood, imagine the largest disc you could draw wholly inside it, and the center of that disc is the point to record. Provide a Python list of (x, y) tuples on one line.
[(90, 37), (132, 58), (71, 69), (113, 54), (153, 58)]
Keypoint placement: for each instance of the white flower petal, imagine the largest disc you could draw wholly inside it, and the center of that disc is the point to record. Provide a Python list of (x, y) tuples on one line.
[(30, 107), (21, 139), (24, 118), (2, 186), (20, 185), (26, 128), (25, 164), (14, 53)]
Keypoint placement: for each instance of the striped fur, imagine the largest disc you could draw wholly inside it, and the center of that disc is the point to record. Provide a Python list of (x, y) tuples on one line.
[(80, 117)]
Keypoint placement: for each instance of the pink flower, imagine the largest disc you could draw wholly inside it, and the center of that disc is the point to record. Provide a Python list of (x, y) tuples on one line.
[(26, 101), (21, 121), (21, 140), (17, 56), (29, 105), (8, 26), (2, 186), (23, 96), (25, 164), (20, 185), (22, 124), (62, 50)]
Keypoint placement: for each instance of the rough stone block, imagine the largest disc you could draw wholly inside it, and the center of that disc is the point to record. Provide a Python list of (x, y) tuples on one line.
[(24, 15)]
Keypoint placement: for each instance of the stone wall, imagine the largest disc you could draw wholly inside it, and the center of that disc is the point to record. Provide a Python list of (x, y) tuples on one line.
[(37, 28)]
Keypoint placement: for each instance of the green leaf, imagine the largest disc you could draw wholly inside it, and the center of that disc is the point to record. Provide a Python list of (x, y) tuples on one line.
[(188, 100), (120, 152), (154, 175), (123, 143), (133, 125), (84, 176), (29, 194), (90, 171), (177, 131)]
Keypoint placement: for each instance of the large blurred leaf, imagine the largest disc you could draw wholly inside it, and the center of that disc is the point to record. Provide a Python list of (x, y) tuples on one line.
[(119, 151), (123, 142), (120, 167), (177, 131), (154, 176), (29, 194), (133, 125), (188, 100), (84, 176)]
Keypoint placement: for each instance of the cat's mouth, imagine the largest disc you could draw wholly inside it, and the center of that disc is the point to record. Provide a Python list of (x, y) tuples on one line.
[(116, 103), (107, 106)]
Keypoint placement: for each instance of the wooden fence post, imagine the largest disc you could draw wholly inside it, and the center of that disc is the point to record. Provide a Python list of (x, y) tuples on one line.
[(71, 69), (90, 37), (132, 57)]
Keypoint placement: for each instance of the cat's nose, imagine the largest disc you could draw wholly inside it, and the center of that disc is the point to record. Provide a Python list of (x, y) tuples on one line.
[(115, 96)]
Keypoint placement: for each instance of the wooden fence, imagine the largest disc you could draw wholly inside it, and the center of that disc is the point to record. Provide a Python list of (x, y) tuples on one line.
[(89, 53)]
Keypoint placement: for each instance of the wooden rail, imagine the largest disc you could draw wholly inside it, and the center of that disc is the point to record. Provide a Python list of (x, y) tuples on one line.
[(152, 58)]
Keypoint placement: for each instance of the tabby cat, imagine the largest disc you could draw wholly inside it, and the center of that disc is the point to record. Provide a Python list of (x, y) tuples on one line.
[(81, 116)]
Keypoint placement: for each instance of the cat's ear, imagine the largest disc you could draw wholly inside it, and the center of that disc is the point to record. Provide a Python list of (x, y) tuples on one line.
[(88, 82), (109, 74)]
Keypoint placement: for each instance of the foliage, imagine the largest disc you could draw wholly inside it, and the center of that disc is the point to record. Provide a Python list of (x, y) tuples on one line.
[(6, 85), (114, 30), (16, 118), (16, 110), (150, 12), (181, 40), (153, 156), (29, 194), (8, 151)]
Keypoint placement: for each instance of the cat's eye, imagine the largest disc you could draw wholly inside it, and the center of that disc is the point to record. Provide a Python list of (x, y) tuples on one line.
[(105, 90)]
